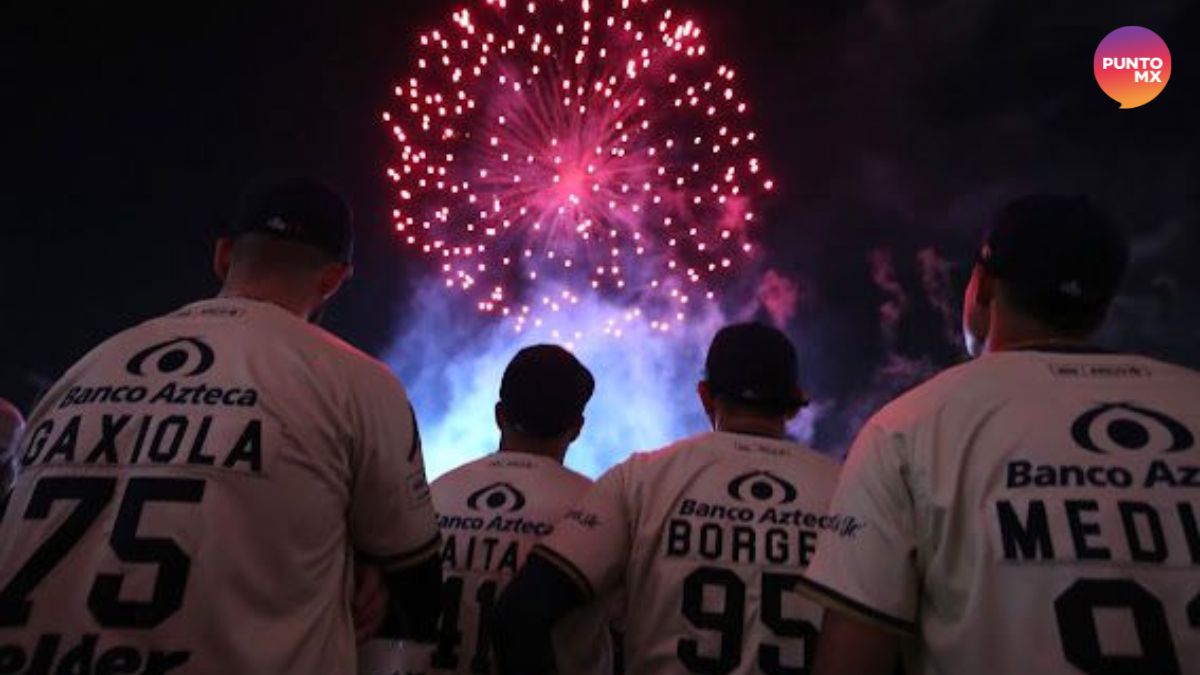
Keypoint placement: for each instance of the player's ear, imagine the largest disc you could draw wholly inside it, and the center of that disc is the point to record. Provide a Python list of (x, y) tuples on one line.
[(332, 277), (706, 397), (223, 258), (977, 310), (499, 411), (574, 431), (985, 294), (795, 410)]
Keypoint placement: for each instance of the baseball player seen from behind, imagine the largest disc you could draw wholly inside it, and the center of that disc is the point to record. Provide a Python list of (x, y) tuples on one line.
[(493, 510), (191, 496), (1034, 510), (704, 539)]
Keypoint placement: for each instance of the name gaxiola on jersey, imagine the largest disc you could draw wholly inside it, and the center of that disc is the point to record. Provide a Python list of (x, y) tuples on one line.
[(169, 438)]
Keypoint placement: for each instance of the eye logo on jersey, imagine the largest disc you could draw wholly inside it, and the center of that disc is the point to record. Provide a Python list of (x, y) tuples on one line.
[(183, 356), (496, 497), (762, 487), (1117, 427)]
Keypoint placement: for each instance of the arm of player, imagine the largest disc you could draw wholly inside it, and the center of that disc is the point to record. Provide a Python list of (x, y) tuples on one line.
[(852, 646), (865, 564), (536, 599), (414, 602), (584, 557), (392, 521)]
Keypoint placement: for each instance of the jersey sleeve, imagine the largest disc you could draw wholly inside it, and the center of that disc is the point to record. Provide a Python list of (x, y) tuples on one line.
[(591, 543), (865, 563), (391, 514)]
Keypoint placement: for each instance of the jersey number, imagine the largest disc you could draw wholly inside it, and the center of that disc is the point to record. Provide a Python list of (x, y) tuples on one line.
[(91, 496), (1075, 610), (730, 620), (445, 657)]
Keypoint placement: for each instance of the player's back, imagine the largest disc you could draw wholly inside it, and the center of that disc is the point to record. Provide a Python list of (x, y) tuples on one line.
[(724, 523), (182, 501), (491, 512), (1057, 498)]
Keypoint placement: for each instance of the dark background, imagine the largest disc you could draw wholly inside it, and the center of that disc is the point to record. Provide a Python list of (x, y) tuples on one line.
[(129, 130)]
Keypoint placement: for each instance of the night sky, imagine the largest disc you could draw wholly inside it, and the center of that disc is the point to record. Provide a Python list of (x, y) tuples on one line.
[(894, 130)]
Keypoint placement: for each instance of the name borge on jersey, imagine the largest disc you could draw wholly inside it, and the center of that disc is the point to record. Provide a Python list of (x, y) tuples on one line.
[(486, 537), (1128, 498), (754, 522), (179, 430)]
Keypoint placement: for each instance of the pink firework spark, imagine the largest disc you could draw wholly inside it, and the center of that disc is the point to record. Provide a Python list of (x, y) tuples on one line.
[(555, 148)]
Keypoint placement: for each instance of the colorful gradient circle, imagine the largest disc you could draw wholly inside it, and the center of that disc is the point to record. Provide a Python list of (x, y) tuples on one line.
[(1132, 66)]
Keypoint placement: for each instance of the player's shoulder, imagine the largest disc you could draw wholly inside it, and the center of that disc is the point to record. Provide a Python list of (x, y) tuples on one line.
[(475, 471), (700, 448), (995, 379), (147, 331), (814, 462), (541, 482), (933, 394), (982, 381), (351, 366), (511, 466), (644, 461)]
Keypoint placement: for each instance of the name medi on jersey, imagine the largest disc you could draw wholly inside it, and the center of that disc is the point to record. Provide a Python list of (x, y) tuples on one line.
[(1128, 499)]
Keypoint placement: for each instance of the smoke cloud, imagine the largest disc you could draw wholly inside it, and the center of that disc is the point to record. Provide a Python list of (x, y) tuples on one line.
[(452, 361)]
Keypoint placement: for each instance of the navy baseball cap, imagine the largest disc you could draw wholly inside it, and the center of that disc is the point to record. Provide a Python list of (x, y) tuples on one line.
[(1060, 249), (302, 210), (755, 365), (545, 390)]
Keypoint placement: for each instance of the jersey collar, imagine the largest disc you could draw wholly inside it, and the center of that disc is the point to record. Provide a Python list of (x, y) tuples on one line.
[(1061, 348)]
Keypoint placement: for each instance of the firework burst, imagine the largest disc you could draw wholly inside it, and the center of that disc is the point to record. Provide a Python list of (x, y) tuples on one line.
[(557, 148)]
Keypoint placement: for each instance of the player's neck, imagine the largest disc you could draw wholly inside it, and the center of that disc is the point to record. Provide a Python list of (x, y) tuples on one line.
[(536, 450), (751, 425), (265, 293), (1016, 333)]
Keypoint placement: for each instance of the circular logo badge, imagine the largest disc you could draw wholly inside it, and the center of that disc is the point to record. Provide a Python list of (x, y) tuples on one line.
[(183, 357), (1124, 427), (1132, 66), (762, 487), (496, 497)]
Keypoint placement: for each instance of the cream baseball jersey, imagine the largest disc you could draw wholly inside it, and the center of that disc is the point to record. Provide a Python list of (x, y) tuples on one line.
[(1028, 512), (191, 493), (492, 511), (706, 538)]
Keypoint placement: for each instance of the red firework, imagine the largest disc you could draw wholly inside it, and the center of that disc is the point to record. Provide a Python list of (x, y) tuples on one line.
[(556, 148)]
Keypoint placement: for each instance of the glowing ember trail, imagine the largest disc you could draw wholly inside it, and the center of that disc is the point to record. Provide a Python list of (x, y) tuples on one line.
[(552, 149)]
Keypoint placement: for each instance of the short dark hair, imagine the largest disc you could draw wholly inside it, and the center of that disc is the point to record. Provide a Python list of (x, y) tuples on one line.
[(263, 254), (754, 367), (1074, 320), (1059, 259), (545, 390)]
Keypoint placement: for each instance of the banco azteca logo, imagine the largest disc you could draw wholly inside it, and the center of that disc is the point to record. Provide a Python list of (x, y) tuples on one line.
[(763, 487), (1123, 427), (496, 497), (182, 356)]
